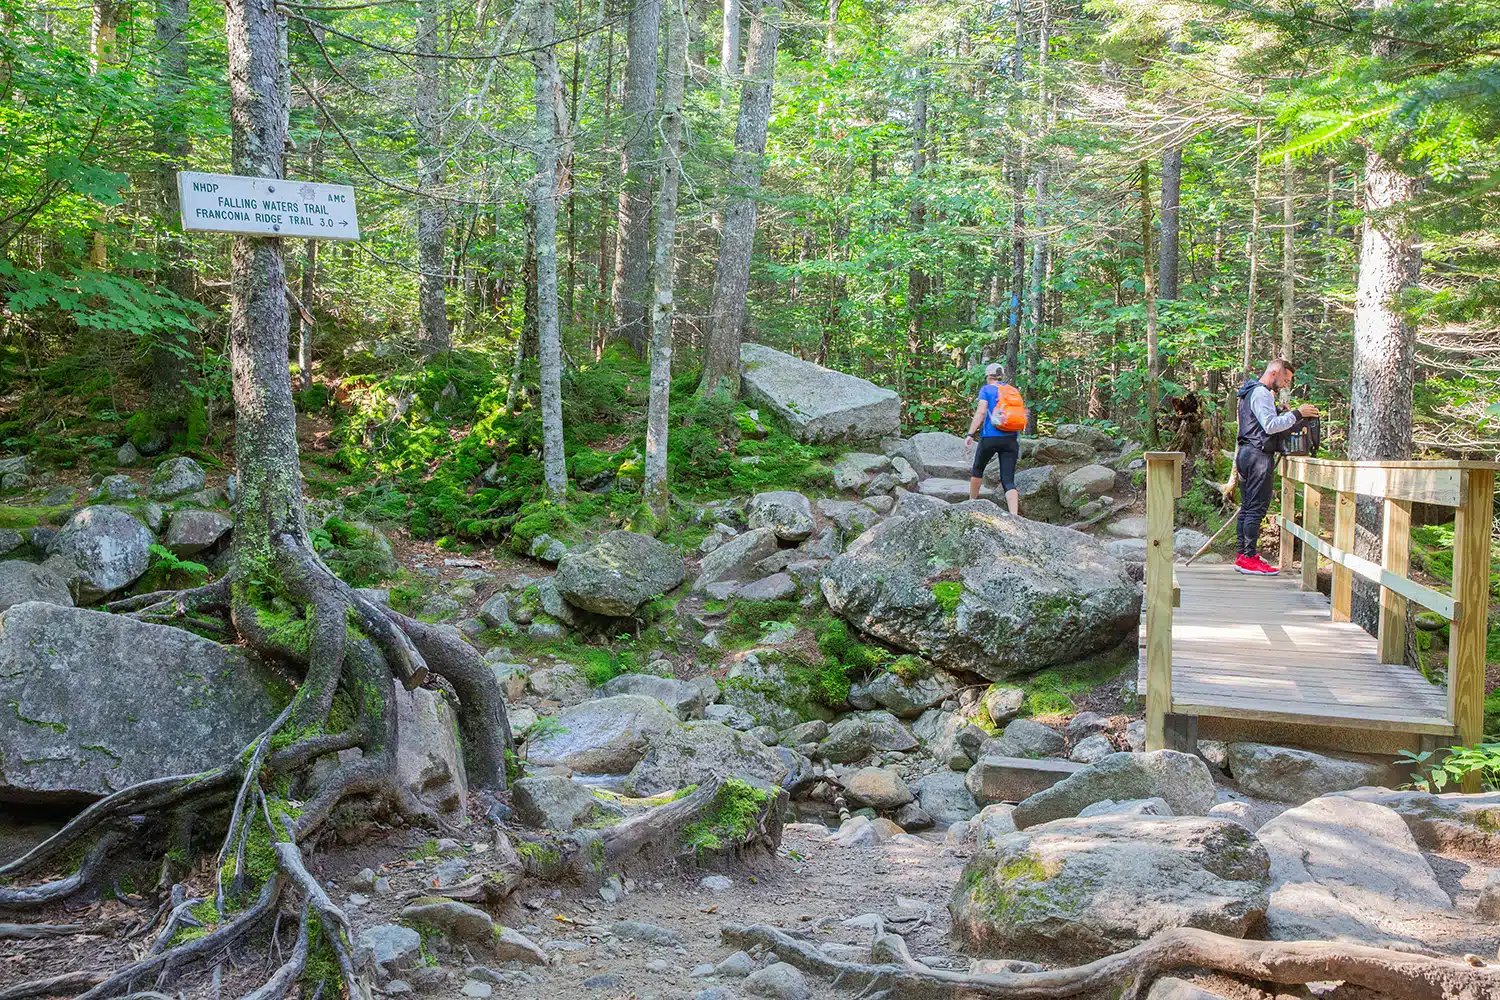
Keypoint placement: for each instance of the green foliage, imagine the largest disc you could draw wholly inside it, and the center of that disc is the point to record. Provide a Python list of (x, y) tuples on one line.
[(1051, 692), (747, 620), (168, 571), (947, 595), (729, 820), (1435, 770)]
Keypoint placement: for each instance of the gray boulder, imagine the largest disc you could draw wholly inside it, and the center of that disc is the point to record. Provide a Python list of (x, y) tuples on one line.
[(102, 701), (1025, 738), (392, 945), (1091, 436), (908, 503), (1086, 483), (854, 470), (1026, 595), (1186, 541), (1130, 807), (1133, 526), (1289, 775), (100, 550), (1130, 550), (1002, 702), (778, 982), (950, 738), (1451, 823), (619, 573), (1036, 488), (779, 692), (859, 734), (940, 455), (877, 787), (1181, 779), (683, 698), (776, 587), (907, 699), (736, 558), (116, 487), (428, 760), (175, 477), (1078, 889), (604, 736), (495, 612), (23, 581), (1055, 451), (1092, 749), (786, 512), (551, 802), (851, 517), (191, 531), (945, 797), (815, 403), (1347, 870), (700, 751)]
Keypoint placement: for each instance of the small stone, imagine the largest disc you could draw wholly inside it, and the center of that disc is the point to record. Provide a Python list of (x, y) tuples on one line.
[(365, 879), (383, 887), (605, 981), (717, 883), (392, 944), (1092, 748), (1488, 904), (778, 982), (398, 987), (473, 988), (736, 966), (700, 971)]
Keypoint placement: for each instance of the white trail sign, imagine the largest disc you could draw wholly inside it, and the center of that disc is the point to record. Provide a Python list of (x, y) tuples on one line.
[(266, 206)]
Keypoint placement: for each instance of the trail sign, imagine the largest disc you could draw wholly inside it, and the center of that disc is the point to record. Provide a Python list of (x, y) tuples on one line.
[(266, 206)]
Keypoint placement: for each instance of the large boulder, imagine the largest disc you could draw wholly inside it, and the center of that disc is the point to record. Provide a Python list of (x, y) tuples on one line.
[(23, 581), (191, 531), (552, 802), (815, 403), (100, 550), (1450, 823), (945, 797), (778, 690), (1054, 451), (877, 787), (176, 476), (1349, 870), (907, 699), (861, 733), (950, 738), (736, 558), (1078, 889), (1182, 779), (940, 455), (698, 752), (1025, 738), (1286, 774), (429, 761), (605, 736), (1091, 436), (685, 699), (1036, 490), (976, 590), (786, 512), (856, 469), (98, 702), (1085, 484), (619, 573)]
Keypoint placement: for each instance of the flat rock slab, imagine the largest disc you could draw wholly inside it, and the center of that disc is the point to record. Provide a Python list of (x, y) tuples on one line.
[(1012, 779), (95, 702), (1450, 823), (951, 490), (1348, 870), (1286, 774), (1181, 779), (816, 403)]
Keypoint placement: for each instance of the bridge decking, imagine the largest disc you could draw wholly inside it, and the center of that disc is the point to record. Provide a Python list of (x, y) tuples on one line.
[(1262, 648)]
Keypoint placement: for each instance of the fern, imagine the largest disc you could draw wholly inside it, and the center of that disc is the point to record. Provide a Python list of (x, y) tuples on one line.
[(162, 558)]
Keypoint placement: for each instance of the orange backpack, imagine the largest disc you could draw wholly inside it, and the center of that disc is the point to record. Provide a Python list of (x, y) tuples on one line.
[(1009, 411)]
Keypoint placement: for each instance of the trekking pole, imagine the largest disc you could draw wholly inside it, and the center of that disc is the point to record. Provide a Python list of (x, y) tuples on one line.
[(1215, 538)]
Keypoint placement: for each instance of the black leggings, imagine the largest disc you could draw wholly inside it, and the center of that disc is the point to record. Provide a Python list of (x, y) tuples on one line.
[(1008, 449), (1257, 475)]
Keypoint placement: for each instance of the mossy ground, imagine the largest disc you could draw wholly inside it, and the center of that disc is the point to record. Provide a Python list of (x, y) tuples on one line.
[(729, 820)]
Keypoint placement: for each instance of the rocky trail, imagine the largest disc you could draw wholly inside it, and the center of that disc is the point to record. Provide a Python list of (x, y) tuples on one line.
[(888, 718)]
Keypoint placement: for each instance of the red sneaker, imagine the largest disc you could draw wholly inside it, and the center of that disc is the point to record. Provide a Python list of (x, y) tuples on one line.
[(1254, 566)]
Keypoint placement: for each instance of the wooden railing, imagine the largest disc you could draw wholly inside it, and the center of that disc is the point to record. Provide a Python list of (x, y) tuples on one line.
[(1468, 488)]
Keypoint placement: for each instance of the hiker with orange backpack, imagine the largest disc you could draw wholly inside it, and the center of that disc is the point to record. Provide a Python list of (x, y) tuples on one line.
[(999, 419)]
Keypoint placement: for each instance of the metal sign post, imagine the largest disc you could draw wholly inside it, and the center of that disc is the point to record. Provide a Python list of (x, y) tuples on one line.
[(266, 206)]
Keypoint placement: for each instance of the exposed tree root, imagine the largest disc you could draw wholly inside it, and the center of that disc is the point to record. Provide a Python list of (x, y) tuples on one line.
[(50, 892), (30, 932), (51, 986), (1129, 974)]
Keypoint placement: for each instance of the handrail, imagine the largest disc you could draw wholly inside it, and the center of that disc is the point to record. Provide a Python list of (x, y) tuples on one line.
[(1443, 483)]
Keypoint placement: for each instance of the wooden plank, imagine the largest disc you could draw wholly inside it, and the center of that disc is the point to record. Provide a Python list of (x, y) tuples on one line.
[(1312, 513), (1439, 483), (1395, 558), (1352, 721), (1343, 540), (1408, 589), (1176, 590), (1471, 585), (1163, 485), (1285, 543)]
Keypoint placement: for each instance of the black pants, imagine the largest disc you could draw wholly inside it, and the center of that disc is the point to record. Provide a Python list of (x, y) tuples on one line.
[(1257, 477), (1007, 449)]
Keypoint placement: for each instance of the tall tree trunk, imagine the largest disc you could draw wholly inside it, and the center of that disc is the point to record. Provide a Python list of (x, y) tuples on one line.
[(1017, 214), (306, 331), (265, 441), (544, 198), (629, 295), (104, 51), (1148, 297), (1288, 258), (1328, 205), (729, 46), (916, 281), (721, 363), (602, 307), (1247, 352), (170, 361), (433, 335), (655, 491), (1168, 250)]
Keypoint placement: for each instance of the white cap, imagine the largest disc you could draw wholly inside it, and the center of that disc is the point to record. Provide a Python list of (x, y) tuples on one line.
[(992, 370)]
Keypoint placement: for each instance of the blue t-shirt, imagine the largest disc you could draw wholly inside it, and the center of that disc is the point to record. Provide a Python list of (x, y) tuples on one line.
[(990, 393)]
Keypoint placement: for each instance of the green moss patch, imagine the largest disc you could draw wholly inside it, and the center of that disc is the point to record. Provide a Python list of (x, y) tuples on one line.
[(729, 820)]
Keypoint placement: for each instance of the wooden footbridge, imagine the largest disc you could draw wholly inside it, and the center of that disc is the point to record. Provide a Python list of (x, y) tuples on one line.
[(1270, 658)]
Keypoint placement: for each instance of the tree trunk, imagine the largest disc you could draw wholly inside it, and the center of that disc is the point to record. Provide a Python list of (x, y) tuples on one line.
[(104, 50), (729, 48), (1288, 258), (1168, 250), (265, 440), (655, 489), (629, 295), (916, 281), (169, 361), (1247, 352), (433, 335), (1148, 296), (721, 363), (601, 305), (544, 198), (1328, 241), (1017, 215)]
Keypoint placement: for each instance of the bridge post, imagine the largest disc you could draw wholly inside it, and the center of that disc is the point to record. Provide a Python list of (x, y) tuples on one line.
[(1287, 541), (1343, 539), (1312, 516), (1163, 487), (1395, 555), (1471, 588)]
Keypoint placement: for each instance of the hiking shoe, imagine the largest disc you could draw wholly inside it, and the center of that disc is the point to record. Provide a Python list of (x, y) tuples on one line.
[(1254, 566)]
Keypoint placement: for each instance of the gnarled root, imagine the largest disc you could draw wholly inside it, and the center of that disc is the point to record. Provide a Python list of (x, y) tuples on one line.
[(1286, 963)]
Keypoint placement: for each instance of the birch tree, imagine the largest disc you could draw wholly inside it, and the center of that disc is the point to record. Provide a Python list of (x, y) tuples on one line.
[(630, 292), (544, 203)]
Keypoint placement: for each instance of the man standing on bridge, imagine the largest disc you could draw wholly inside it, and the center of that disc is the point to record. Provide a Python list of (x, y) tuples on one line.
[(1261, 432)]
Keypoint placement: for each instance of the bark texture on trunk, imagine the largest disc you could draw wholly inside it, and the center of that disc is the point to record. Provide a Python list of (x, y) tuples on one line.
[(265, 440), (629, 295), (1017, 216), (433, 335), (169, 140), (1168, 249), (721, 364), (1247, 348), (544, 198), (1288, 255), (916, 280), (729, 48), (655, 491), (1148, 296)]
